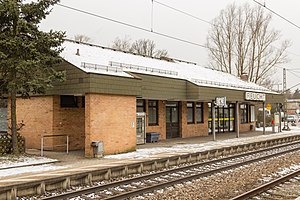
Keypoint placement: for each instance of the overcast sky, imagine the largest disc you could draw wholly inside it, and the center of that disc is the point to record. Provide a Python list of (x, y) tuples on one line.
[(169, 22)]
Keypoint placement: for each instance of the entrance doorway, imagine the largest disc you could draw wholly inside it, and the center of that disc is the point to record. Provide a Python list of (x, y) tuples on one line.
[(140, 127), (172, 120), (224, 118)]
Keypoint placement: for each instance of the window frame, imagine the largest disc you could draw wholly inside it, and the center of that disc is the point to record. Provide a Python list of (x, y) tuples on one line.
[(244, 113), (64, 101), (252, 113), (201, 108), (143, 106), (150, 107), (192, 107)]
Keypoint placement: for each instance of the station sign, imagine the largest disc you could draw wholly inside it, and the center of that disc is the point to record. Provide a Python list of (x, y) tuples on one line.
[(220, 101), (254, 96)]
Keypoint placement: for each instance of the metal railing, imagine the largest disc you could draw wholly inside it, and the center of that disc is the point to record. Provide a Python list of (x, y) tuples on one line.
[(142, 68), (227, 84), (51, 136), (101, 67)]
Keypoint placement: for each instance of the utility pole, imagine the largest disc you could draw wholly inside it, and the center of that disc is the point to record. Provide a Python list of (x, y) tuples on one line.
[(286, 124)]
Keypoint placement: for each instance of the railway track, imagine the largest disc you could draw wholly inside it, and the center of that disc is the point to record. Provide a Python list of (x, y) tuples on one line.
[(139, 185), (267, 186)]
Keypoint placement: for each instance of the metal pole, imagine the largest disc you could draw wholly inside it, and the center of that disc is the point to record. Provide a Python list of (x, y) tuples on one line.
[(213, 121), (67, 144), (286, 124), (237, 120), (264, 118), (42, 145), (280, 118)]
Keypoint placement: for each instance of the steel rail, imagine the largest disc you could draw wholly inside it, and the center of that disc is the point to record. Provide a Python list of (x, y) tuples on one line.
[(139, 191), (267, 186)]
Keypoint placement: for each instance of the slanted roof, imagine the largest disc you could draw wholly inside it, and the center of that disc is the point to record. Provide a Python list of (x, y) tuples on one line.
[(99, 60)]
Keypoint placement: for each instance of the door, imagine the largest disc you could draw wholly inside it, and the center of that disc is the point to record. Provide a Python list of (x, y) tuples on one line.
[(172, 120), (224, 118), (140, 127)]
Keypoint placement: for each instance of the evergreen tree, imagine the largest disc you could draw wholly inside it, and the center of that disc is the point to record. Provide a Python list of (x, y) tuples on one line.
[(27, 55)]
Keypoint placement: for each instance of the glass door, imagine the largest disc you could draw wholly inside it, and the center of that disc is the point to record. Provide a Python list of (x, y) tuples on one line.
[(172, 120), (224, 118)]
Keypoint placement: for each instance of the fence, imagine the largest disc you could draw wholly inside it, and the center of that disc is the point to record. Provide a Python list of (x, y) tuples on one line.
[(49, 136)]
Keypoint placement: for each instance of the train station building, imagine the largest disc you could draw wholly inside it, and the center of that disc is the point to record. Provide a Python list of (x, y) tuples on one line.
[(115, 97)]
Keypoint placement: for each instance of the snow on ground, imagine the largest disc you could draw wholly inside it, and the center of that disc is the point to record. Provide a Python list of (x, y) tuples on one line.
[(146, 153), (23, 165), (10, 161), (22, 170)]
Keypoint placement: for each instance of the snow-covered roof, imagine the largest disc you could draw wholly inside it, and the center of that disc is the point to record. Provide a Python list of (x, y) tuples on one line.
[(96, 59)]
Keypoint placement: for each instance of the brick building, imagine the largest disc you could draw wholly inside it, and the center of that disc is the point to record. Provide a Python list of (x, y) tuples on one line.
[(105, 89)]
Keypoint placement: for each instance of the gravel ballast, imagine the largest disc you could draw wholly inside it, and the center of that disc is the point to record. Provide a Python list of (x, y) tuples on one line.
[(230, 183)]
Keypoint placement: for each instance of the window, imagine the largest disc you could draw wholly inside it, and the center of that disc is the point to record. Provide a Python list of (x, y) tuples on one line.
[(244, 113), (199, 112), (68, 101), (190, 112), (83, 102), (252, 113), (152, 113), (140, 105)]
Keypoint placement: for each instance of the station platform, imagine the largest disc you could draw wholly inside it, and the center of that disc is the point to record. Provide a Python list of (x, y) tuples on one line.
[(76, 168), (161, 148)]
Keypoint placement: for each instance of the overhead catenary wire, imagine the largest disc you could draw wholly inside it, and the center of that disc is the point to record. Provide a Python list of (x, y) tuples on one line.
[(147, 30), (151, 15), (296, 76), (202, 20), (183, 12), (133, 26), (277, 14)]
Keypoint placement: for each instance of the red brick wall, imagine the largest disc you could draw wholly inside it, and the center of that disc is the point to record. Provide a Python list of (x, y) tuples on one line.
[(109, 118), (37, 115), (43, 115), (194, 129), (161, 127), (69, 121), (245, 127)]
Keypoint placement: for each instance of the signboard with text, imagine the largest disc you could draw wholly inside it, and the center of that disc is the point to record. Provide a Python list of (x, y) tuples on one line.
[(220, 101), (254, 96)]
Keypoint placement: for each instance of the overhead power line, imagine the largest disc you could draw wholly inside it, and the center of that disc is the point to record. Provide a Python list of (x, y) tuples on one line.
[(133, 26), (202, 20), (147, 30), (183, 12), (296, 76), (277, 14)]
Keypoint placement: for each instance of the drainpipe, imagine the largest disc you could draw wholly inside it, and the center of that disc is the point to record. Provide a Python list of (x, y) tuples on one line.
[(213, 124), (237, 120)]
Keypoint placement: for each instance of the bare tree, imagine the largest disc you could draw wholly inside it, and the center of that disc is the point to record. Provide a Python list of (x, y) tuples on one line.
[(241, 41), (142, 47), (81, 38), (122, 44)]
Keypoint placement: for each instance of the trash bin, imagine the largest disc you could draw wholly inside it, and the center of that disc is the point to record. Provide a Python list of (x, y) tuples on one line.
[(97, 149), (251, 127), (152, 137)]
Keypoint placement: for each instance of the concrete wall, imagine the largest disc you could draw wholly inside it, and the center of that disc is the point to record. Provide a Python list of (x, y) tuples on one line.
[(109, 118)]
